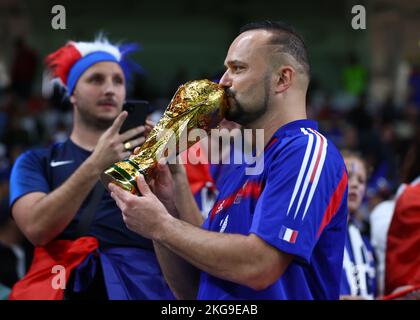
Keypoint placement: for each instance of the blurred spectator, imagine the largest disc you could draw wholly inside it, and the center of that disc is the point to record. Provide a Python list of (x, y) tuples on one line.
[(14, 251), (12, 254), (24, 67), (380, 219), (403, 239), (382, 214), (358, 277)]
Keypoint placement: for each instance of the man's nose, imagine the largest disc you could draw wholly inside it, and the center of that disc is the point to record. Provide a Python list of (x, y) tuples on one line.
[(109, 87), (225, 81)]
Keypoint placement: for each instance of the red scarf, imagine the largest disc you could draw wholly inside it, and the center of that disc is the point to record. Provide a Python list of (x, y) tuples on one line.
[(37, 284)]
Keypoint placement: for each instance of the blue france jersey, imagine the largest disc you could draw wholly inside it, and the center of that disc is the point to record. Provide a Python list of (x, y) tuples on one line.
[(358, 276), (45, 169), (298, 204)]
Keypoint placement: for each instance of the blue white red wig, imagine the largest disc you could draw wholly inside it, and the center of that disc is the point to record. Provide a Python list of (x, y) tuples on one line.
[(68, 63)]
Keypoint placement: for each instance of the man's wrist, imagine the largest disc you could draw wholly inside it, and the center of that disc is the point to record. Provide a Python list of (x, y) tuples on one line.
[(162, 233), (92, 166)]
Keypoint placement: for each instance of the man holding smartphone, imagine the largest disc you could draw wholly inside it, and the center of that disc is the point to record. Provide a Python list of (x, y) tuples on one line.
[(60, 205)]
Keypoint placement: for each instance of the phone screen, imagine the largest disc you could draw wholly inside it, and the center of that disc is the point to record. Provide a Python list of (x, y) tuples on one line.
[(138, 110)]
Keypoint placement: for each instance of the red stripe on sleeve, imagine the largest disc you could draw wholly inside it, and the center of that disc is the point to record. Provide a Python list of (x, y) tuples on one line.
[(334, 204), (317, 158)]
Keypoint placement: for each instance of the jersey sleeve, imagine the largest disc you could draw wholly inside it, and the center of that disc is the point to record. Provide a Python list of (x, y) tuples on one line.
[(28, 175), (305, 187)]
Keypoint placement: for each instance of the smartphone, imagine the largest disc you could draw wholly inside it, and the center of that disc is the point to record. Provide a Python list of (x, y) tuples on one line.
[(138, 110)]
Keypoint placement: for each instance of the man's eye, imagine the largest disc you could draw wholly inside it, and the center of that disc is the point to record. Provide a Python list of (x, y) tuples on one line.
[(118, 80), (95, 79)]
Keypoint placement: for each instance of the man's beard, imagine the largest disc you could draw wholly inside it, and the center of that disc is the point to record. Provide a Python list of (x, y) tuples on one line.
[(93, 121), (238, 113)]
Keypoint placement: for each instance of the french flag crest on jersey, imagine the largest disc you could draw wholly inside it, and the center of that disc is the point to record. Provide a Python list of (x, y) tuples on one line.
[(288, 235)]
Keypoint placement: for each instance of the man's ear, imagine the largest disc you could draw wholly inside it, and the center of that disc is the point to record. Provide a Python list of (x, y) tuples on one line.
[(72, 99), (285, 76)]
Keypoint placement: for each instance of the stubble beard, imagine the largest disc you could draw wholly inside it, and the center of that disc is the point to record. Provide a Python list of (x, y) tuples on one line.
[(243, 115), (94, 122)]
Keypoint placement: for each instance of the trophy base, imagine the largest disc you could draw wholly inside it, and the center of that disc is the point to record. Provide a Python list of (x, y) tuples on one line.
[(120, 177)]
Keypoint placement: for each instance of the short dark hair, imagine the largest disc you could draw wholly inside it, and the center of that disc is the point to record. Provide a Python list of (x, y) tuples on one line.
[(285, 36)]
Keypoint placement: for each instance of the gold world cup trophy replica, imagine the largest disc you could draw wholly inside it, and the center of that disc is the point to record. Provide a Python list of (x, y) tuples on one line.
[(199, 104)]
